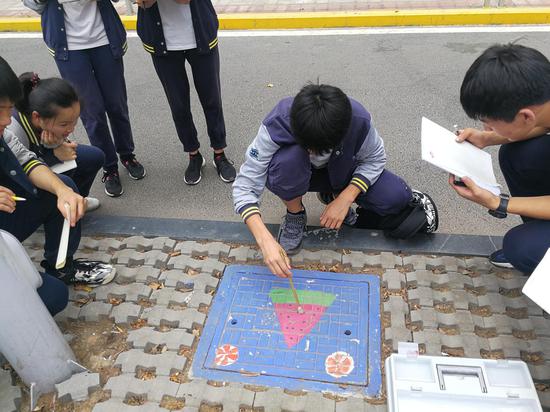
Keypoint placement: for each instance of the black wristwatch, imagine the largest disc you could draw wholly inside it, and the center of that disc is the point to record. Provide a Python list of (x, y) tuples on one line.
[(502, 208)]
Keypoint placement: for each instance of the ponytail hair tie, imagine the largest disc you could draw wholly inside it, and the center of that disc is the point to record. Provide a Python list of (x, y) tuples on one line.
[(35, 80)]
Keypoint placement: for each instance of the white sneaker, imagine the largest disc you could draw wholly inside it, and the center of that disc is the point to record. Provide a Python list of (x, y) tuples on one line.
[(92, 204)]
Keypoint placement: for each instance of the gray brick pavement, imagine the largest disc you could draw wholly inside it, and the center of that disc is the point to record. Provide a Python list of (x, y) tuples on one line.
[(456, 306)]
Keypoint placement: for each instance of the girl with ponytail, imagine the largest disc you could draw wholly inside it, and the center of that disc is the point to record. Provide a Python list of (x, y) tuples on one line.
[(44, 119)]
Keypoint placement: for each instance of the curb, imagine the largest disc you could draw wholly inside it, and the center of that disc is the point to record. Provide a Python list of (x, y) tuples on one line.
[(379, 18), (316, 238)]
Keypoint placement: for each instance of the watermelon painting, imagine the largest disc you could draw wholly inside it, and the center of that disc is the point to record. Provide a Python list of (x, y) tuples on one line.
[(296, 325)]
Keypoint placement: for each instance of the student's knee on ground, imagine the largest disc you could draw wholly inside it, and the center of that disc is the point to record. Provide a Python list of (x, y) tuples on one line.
[(524, 246), (54, 293)]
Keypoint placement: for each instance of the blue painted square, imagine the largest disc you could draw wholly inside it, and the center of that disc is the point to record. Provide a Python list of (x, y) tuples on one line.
[(243, 316)]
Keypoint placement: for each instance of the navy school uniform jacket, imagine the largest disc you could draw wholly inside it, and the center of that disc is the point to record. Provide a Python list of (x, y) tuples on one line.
[(53, 27), (205, 24)]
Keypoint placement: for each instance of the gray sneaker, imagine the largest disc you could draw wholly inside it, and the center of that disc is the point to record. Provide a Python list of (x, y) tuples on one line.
[(325, 198), (291, 232)]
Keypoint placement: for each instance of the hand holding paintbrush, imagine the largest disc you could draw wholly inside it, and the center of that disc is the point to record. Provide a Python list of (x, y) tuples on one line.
[(285, 256)]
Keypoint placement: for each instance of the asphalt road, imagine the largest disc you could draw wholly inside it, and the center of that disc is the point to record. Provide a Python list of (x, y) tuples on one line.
[(398, 77)]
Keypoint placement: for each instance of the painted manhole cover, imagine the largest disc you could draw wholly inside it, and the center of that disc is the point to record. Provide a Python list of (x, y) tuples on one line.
[(254, 333)]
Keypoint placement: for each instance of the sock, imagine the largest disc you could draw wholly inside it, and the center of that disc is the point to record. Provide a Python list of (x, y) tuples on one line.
[(219, 155), (191, 156)]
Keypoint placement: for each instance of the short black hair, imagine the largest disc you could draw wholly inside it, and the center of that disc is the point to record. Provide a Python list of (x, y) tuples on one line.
[(320, 117), (45, 96), (503, 80), (9, 85)]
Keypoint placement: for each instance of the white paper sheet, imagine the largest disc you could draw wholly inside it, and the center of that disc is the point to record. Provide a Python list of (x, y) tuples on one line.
[(439, 147), (64, 166), (538, 285)]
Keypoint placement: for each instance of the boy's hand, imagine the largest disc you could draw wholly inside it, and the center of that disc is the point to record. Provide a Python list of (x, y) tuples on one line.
[(76, 202), (474, 136), (67, 151), (7, 204), (475, 193), (334, 214), (276, 260)]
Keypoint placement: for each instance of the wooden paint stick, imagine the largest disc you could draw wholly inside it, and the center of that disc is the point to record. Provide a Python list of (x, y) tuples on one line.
[(64, 241), (300, 309)]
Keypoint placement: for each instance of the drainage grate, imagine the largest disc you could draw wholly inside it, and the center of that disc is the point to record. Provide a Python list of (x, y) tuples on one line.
[(255, 335)]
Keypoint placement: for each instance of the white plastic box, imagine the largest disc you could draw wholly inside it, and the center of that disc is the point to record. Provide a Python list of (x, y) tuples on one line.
[(436, 384)]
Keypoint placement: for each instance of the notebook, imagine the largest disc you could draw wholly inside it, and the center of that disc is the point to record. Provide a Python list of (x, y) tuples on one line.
[(538, 285)]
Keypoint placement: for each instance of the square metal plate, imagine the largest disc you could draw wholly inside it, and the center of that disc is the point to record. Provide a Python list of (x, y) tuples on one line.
[(243, 341)]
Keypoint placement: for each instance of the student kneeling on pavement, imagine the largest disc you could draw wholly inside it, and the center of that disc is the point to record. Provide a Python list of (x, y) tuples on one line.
[(23, 175), (322, 141), (43, 121), (508, 89)]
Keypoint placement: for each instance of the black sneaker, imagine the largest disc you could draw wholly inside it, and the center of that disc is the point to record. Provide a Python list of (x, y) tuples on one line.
[(135, 168), (193, 172), (499, 260), (113, 187), (225, 167), (88, 272), (291, 232), (430, 209)]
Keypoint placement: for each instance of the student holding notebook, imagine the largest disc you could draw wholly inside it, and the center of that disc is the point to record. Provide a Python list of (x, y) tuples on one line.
[(508, 89)]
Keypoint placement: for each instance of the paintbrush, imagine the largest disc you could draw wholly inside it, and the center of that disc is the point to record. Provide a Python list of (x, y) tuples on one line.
[(300, 310)]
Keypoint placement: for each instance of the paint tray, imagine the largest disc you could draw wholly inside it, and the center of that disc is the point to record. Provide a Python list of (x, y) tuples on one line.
[(435, 384)]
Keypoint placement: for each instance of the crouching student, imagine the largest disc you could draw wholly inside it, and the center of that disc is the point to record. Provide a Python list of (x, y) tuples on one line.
[(43, 121), (22, 175), (321, 141), (508, 89)]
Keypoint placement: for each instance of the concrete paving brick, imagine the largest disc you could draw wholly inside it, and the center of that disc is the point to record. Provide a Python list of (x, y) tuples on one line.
[(78, 386), (424, 318), (192, 299), (325, 257), (154, 389), (390, 260), (173, 339), (142, 244), (540, 372), (275, 400), (36, 255), (461, 299), (544, 398), (178, 279), (8, 392), (140, 274), (131, 292), (93, 311), (395, 335), (421, 296), (541, 325), (75, 294), (163, 363), (88, 243), (211, 249), (71, 312), (244, 254), (117, 405), (398, 308), (355, 260), (513, 283), (458, 281), (493, 300), (419, 278), (461, 318), (131, 257), (478, 264), (430, 339), (418, 262), (232, 396), (105, 245), (185, 262), (489, 281), (452, 341), (189, 409), (99, 256), (183, 318), (393, 280), (446, 263), (358, 405), (126, 312), (511, 346), (472, 345)]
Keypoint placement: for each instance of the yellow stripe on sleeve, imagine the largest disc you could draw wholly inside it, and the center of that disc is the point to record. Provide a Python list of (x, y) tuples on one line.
[(362, 185)]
